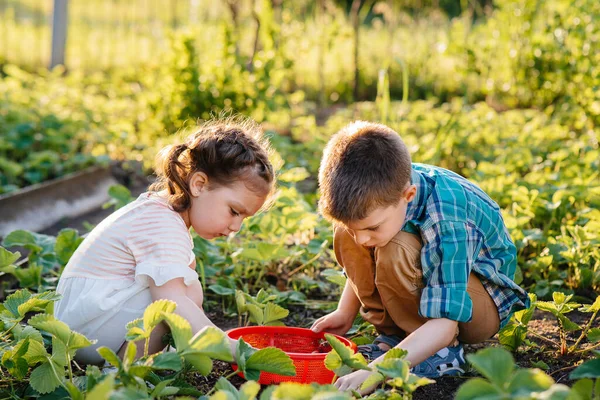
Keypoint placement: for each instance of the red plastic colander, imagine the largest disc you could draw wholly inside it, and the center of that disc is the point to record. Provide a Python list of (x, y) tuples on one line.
[(306, 348)]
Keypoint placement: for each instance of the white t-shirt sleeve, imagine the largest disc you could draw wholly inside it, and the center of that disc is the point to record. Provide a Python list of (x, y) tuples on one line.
[(162, 248)]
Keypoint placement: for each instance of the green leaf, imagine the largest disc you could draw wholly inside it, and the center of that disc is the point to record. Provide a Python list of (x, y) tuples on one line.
[(478, 389), (59, 352), (293, 391), (593, 335), (583, 389), (102, 390), (38, 302), (273, 312), (47, 377), (560, 297), (256, 313), (413, 382), (48, 323), (201, 362), (567, 324), (589, 369), (163, 389), (21, 238), (243, 351), (180, 329), (74, 391), (135, 330), (222, 290), (141, 371), (224, 384), (296, 174), (526, 381), (109, 356), (211, 342), (395, 353), (129, 356), (240, 302), (22, 332), (269, 359), (223, 395), (249, 390), (372, 380), (333, 361), (167, 360), (7, 257), (67, 242), (548, 306), (16, 299), (78, 341), (394, 368), (346, 354), (153, 314), (594, 307), (36, 352), (541, 365), (494, 363)]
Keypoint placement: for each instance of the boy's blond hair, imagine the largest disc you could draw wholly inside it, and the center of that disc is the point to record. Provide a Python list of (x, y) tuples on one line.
[(365, 166)]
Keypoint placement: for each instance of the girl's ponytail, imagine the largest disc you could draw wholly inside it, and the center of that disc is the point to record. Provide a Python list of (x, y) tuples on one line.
[(171, 169)]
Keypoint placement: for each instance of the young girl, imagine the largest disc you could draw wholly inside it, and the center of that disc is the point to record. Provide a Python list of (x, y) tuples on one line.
[(143, 252)]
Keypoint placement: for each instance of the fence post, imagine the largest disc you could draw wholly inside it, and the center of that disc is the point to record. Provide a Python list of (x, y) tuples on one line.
[(59, 33)]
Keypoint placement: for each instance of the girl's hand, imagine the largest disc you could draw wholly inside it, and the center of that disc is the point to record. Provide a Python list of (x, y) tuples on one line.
[(338, 322), (354, 380)]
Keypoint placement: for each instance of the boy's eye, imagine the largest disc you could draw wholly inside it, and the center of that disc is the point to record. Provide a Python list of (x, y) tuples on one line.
[(373, 228), (233, 212)]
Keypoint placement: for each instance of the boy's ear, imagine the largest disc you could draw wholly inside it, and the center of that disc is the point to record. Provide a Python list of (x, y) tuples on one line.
[(198, 183), (410, 193)]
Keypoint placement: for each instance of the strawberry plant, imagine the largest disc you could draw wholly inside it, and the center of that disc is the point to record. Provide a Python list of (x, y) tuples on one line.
[(501, 380)]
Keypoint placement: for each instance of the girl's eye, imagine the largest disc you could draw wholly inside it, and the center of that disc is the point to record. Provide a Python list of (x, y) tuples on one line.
[(233, 212), (373, 229)]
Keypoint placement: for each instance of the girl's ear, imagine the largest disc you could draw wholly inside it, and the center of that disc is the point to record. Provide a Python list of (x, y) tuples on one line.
[(198, 183)]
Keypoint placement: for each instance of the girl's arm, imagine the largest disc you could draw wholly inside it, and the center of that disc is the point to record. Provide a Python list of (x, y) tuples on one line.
[(175, 290)]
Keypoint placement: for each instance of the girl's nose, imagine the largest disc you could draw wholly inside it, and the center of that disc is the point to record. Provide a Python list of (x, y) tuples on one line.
[(235, 225)]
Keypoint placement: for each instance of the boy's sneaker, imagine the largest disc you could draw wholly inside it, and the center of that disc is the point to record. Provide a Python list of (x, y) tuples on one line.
[(448, 361)]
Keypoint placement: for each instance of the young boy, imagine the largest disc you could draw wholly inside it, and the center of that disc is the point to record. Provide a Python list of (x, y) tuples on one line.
[(428, 258)]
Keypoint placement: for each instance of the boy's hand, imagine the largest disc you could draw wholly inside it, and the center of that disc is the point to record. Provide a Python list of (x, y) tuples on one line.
[(354, 381), (338, 322)]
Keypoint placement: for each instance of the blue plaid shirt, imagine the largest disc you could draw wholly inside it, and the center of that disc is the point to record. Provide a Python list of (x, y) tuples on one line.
[(462, 231)]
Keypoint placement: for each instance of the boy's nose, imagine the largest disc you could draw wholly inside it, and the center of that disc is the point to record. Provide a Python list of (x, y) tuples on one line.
[(361, 238)]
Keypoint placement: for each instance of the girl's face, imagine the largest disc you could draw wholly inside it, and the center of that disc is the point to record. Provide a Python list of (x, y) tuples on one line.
[(218, 211)]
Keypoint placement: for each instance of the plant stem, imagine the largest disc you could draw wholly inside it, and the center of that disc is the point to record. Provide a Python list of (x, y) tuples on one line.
[(215, 387), (4, 336), (146, 345), (589, 348), (584, 332), (312, 260), (543, 338)]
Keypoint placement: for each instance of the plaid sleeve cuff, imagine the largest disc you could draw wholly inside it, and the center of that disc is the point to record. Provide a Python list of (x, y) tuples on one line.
[(443, 302)]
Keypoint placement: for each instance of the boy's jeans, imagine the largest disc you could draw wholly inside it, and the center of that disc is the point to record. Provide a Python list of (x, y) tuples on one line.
[(388, 282)]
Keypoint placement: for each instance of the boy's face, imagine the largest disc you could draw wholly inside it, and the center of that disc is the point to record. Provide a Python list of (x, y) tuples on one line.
[(383, 223)]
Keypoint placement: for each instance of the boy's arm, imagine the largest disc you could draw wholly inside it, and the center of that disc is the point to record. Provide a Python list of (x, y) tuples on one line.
[(175, 290), (349, 302), (431, 337), (340, 321)]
